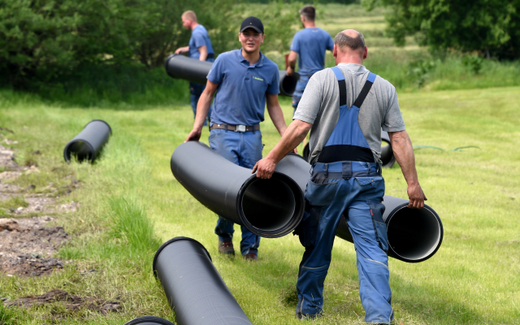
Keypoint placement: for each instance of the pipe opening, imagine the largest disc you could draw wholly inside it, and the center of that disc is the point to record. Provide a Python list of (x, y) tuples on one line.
[(288, 84), (386, 152), (82, 150), (414, 235), (272, 207)]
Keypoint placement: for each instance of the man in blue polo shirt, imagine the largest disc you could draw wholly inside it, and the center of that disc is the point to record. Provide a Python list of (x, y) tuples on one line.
[(245, 82), (309, 45), (198, 48)]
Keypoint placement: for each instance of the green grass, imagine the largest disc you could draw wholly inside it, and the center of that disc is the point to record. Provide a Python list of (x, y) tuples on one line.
[(130, 202), (473, 278)]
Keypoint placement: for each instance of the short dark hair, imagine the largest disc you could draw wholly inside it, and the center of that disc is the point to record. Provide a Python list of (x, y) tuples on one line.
[(309, 12), (354, 43)]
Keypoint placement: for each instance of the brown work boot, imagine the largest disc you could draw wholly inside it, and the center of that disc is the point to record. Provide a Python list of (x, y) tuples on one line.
[(251, 257), (226, 247)]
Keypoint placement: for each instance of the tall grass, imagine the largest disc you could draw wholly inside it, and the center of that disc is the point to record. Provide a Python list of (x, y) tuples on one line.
[(132, 226), (114, 87)]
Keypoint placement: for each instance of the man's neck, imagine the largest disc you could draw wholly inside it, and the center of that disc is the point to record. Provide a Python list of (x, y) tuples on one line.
[(309, 24), (193, 25), (253, 57)]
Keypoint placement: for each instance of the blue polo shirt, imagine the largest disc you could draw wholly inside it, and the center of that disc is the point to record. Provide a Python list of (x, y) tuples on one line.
[(242, 90), (199, 37), (311, 44)]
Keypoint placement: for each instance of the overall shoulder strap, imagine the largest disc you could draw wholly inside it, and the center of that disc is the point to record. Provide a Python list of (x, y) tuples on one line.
[(342, 86), (366, 88)]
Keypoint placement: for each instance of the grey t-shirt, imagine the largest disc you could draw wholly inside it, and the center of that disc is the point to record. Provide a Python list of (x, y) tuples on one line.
[(320, 106)]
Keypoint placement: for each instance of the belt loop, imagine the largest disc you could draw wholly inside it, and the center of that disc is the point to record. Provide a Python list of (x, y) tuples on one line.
[(346, 169), (225, 126), (326, 170)]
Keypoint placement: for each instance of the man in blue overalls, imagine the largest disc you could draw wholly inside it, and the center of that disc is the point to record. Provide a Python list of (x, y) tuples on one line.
[(245, 82), (200, 48), (345, 108)]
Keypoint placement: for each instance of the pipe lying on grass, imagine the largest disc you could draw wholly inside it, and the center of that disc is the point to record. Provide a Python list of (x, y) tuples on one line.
[(194, 288), (89, 142), (183, 67), (149, 320), (413, 235), (267, 207)]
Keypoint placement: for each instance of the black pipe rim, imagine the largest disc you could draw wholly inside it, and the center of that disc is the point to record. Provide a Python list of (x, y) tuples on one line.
[(163, 246), (67, 153), (292, 222), (440, 235), (109, 128), (290, 81)]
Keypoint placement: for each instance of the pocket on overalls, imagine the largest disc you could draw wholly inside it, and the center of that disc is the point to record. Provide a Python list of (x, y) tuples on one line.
[(366, 181), (321, 194), (376, 211)]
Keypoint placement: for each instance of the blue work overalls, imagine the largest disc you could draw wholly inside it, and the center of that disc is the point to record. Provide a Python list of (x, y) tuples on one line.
[(345, 181)]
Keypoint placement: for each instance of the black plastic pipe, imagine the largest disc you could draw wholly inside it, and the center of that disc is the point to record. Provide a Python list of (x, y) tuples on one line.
[(89, 142), (194, 288), (413, 235), (183, 67), (387, 155), (288, 83), (149, 320), (267, 207)]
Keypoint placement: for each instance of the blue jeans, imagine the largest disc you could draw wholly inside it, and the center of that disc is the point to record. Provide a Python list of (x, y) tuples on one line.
[(355, 189), (300, 87), (195, 92), (243, 149)]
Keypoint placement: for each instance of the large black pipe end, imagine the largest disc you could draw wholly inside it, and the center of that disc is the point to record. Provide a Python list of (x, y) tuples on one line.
[(180, 241), (89, 142), (414, 235), (272, 207), (288, 83), (82, 150), (171, 70), (149, 320)]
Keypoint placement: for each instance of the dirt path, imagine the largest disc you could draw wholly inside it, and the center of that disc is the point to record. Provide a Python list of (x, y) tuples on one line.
[(28, 245)]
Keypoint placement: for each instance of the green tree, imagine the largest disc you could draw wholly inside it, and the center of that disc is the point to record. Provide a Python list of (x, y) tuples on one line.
[(40, 40), (489, 27)]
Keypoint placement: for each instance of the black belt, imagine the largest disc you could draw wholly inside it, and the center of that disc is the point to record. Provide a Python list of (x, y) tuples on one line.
[(236, 128), (345, 152)]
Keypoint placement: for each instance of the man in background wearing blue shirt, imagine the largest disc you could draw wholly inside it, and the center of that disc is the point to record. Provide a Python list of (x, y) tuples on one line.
[(309, 45), (198, 48), (245, 82)]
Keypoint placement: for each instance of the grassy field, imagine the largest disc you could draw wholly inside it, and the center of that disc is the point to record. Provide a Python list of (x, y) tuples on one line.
[(466, 134), (473, 278)]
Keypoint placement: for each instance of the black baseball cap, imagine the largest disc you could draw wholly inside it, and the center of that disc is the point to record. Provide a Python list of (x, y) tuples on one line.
[(254, 23)]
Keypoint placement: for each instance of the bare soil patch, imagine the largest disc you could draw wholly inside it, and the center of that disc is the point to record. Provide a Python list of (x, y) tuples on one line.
[(28, 244), (71, 302)]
